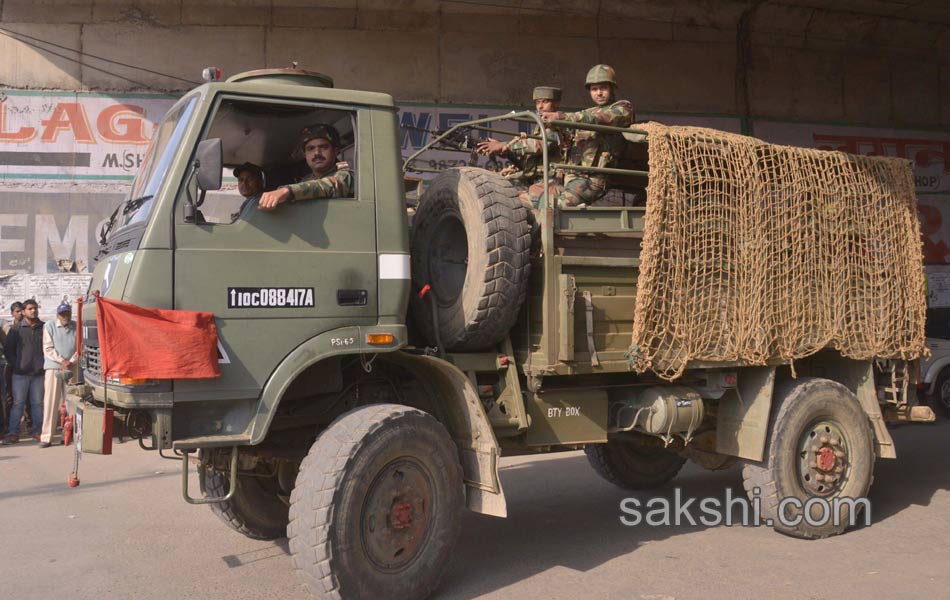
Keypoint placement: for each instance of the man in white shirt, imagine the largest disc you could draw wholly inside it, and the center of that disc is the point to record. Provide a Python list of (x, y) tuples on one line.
[(59, 351)]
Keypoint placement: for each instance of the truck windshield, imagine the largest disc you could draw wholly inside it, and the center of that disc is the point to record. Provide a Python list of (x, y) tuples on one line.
[(158, 159)]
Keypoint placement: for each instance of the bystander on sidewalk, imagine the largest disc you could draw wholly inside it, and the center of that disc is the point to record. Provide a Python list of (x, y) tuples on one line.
[(59, 351), (23, 350)]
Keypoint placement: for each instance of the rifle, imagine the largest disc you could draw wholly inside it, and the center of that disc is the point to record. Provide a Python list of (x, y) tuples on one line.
[(458, 141)]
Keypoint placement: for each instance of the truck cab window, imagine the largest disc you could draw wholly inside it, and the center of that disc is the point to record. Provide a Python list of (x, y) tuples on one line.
[(265, 148)]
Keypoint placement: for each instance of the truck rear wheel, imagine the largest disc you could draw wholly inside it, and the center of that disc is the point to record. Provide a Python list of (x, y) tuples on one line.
[(941, 397), (634, 466), (819, 450), (471, 243), (376, 510), (255, 510)]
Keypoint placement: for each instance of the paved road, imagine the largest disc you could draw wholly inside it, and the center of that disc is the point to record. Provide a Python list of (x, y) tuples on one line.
[(125, 533)]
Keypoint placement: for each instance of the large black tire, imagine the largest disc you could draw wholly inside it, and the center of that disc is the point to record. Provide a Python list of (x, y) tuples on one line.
[(940, 401), (471, 242), (813, 420), (255, 510), (376, 510), (633, 466)]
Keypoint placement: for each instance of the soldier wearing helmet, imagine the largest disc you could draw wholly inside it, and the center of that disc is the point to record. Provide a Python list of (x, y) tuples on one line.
[(526, 153), (320, 145), (592, 148)]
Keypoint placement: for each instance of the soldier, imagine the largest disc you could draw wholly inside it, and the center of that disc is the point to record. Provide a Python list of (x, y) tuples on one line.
[(591, 148), (526, 153), (320, 144)]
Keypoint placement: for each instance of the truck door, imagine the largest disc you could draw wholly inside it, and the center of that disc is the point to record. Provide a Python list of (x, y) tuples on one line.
[(275, 279)]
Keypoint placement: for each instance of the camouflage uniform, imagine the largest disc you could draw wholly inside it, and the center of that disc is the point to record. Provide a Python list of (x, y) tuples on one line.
[(591, 148), (527, 153), (594, 149), (336, 183)]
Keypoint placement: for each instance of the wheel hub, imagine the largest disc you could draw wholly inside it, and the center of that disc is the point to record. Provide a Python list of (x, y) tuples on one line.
[(396, 514), (826, 459), (401, 515), (823, 459)]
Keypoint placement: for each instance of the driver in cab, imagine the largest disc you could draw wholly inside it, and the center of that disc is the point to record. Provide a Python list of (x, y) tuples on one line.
[(329, 178)]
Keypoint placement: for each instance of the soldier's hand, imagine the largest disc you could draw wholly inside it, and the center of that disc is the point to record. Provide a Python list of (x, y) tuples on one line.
[(271, 200), (490, 147), (547, 117)]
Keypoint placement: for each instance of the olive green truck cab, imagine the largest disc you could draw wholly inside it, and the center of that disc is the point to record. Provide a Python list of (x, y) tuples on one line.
[(371, 380)]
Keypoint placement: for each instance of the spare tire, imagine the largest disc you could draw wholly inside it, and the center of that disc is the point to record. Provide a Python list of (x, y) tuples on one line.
[(470, 242)]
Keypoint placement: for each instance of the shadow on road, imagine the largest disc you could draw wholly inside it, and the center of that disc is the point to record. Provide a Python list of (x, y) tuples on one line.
[(58, 488), (280, 549), (916, 474), (562, 515)]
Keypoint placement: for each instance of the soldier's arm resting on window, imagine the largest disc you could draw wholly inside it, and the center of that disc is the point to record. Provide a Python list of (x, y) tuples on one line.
[(337, 185)]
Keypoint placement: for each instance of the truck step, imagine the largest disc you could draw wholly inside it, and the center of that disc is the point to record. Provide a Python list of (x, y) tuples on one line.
[(212, 441)]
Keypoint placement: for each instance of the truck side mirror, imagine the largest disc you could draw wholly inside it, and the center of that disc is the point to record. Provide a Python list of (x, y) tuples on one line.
[(207, 170), (208, 159)]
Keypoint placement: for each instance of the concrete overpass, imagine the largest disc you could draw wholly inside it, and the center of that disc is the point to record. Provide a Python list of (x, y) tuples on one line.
[(867, 76), (881, 62)]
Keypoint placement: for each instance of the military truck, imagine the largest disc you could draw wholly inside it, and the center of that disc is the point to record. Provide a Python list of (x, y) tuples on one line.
[(373, 374)]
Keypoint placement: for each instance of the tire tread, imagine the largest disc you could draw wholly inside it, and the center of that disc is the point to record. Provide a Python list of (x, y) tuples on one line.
[(760, 474), (507, 245), (321, 474)]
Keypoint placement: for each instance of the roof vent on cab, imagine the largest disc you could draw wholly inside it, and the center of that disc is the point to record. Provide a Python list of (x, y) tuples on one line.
[(284, 76)]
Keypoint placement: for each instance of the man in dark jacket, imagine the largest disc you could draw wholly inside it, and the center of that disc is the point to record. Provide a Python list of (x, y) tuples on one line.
[(24, 352), (6, 395)]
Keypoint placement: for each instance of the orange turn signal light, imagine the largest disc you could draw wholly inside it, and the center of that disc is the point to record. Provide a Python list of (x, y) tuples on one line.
[(380, 339), (130, 381)]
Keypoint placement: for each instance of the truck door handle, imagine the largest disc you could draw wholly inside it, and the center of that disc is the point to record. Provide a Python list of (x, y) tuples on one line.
[(351, 297)]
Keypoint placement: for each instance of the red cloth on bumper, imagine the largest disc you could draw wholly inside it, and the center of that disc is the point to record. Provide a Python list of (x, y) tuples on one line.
[(152, 343)]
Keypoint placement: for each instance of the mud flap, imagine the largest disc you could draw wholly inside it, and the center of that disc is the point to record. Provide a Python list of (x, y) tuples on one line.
[(462, 413)]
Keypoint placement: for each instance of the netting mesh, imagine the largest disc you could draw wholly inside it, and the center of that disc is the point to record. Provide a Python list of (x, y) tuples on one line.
[(754, 251)]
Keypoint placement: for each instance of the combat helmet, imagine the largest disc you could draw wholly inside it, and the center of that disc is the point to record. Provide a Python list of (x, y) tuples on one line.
[(601, 74), (543, 92), (319, 130), (313, 132)]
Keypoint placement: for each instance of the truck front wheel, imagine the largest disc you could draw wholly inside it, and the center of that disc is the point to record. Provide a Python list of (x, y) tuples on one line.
[(633, 466), (819, 460), (376, 510)]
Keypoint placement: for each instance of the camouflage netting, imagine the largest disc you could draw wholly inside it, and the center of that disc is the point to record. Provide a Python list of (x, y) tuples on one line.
[(753, 252)]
